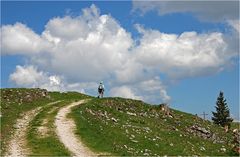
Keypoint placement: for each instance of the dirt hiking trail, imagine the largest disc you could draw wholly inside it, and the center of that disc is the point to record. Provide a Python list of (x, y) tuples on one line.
[(17, 144), (65, 128)]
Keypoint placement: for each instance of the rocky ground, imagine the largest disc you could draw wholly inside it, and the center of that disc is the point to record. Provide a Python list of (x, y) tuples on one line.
[(22, 96)]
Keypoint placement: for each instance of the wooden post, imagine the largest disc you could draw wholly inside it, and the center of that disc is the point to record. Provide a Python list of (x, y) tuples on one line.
[(204, 115)]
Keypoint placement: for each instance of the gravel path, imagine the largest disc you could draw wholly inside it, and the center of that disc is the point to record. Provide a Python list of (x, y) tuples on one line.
[(65, 130), (17, 144)]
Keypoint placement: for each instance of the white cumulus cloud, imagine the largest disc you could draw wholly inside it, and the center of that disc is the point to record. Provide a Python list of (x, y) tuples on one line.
[(30, 76), (19, 39), (27, 76), (187, 54), (155, 89)]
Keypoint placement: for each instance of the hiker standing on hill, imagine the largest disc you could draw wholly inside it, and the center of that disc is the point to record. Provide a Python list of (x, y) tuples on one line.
[(100, 90)]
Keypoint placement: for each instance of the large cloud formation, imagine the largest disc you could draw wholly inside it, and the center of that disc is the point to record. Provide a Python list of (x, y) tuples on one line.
[(187, 54), (74, 53)]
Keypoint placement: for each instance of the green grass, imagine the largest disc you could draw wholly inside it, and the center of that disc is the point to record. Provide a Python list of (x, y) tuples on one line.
[(68, 96), (47, 144), (143, 135)]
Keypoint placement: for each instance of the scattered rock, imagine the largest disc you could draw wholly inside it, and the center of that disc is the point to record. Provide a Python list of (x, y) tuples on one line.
[(15, 126), (147, 150), (143, 114), (174, 128), (223, 149), (134, 141), (202, 149), (235, 130), (90, 111), (114, 120), (131, 114)]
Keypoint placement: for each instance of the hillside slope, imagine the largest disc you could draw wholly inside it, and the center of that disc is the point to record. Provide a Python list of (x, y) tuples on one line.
[(130, 127), (114, 126)]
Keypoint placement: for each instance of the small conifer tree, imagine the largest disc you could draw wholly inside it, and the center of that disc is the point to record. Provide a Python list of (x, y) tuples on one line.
[(222, 114)]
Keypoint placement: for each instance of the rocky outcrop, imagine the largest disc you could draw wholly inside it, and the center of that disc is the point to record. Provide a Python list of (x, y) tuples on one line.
[(204, 133), (199, 131)]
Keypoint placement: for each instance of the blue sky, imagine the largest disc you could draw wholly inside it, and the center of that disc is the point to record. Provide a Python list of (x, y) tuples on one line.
[(191, 85)]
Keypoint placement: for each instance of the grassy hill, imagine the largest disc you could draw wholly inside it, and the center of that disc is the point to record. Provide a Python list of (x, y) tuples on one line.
[(114, 125), (134, 128)]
